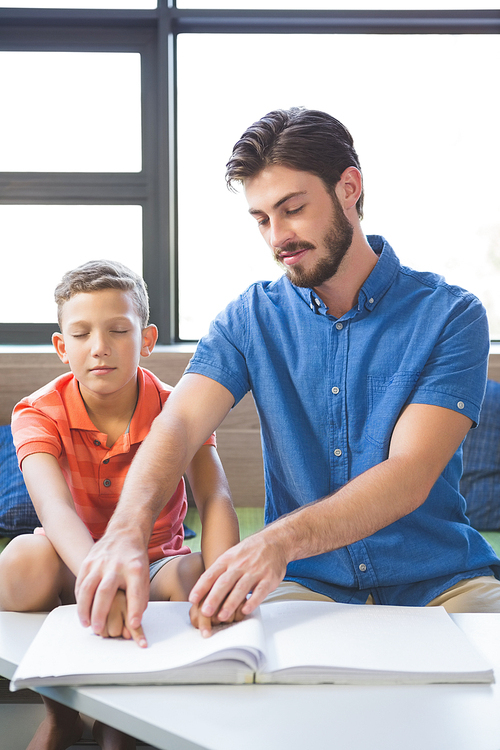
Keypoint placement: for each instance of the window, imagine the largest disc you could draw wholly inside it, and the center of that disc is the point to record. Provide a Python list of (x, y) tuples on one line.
[(415, 87)]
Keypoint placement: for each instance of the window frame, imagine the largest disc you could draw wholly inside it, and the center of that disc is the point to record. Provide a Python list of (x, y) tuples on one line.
[(153, 33)]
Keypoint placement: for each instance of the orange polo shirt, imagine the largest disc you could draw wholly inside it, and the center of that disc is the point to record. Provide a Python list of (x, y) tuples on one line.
[(54, 420)]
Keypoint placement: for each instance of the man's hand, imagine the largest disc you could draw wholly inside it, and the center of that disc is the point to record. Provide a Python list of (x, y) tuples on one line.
[(113, 564), (255, 565)]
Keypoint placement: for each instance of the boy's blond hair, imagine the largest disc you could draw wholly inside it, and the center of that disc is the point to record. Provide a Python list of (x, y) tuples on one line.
[(103, 274)]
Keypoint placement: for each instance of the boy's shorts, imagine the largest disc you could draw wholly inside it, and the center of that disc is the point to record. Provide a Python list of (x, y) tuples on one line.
[(157, 565)]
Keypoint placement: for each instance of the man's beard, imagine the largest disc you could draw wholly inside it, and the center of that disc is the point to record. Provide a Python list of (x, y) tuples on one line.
[(337, 241)]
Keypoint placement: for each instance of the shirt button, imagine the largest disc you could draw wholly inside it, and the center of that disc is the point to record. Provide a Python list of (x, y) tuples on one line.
[(311, 306), (371, 300), (97, 442), (318, 301), (335, 390), (339, 326), (106, 461), (362, 567), (337, 452), (107, 483), (461, 405)]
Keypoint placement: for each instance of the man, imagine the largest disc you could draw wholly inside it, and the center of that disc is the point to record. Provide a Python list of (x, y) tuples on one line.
[(367, 377)]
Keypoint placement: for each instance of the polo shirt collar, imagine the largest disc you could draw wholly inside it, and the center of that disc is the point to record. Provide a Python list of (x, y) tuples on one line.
[(148, 407), (75, 408)]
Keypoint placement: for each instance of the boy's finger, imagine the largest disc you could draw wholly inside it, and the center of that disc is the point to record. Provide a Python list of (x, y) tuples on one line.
[(205, 625), (199, 621)]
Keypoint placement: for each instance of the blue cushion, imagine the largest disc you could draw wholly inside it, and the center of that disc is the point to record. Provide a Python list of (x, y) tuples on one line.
[(17, 514), (480, 484)]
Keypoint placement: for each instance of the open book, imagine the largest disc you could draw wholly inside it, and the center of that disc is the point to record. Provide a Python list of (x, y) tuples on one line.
[(289, 642)]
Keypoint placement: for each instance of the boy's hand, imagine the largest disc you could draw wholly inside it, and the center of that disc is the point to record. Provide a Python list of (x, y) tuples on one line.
[(205, 624), (116, 624)]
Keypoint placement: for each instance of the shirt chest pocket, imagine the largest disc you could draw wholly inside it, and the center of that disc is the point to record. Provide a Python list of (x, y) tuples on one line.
[(387, 395)]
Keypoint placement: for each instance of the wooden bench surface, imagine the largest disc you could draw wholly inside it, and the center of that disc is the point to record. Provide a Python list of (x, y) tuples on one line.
[(238, 437)]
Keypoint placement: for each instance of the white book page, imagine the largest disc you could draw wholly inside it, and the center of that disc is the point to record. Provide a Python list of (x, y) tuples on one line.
[(63, 646), (377, 639)]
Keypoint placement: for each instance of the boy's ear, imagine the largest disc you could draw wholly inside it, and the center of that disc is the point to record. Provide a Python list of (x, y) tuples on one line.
[(58, 341), (149, 339)]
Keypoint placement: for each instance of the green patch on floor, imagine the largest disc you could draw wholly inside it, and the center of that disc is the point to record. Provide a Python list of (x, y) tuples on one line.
[(250, 519), (493, 537)]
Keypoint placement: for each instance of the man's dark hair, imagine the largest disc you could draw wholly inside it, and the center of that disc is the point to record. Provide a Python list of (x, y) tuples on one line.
[(303, 139)]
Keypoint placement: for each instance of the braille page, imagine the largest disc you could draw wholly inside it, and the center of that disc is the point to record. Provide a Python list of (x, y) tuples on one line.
[(63, 652), (328, 642)]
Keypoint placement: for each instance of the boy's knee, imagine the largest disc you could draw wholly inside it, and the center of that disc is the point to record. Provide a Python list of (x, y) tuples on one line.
[(189, 569), (176, 579), (28, 566)]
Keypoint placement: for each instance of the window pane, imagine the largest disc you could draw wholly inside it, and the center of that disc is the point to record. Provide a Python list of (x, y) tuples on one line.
[(97, 4), (425, 123), (345, 5), (70, 112), (40, 243)]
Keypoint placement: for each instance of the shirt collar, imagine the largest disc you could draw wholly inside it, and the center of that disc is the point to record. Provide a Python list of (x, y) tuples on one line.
[(382, 276), (375, 286)]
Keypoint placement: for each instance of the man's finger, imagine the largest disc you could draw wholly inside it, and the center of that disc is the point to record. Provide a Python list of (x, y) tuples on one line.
[(137, 594), (101, 606), (205, 583), (138, 636), (85, 590)]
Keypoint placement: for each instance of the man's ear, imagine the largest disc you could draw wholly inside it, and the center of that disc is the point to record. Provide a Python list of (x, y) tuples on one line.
[(149, 339), (58, 341), (349, 187)]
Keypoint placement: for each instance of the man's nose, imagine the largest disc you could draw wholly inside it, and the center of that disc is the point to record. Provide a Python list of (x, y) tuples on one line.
[(281, 233)]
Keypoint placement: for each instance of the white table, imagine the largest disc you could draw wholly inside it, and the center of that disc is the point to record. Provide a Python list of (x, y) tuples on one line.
[(292, 717)]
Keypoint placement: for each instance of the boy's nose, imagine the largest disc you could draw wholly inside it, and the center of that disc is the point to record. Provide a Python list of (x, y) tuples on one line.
[(100, 346)]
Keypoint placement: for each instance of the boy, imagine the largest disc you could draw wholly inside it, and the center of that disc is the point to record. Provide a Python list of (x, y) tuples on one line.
[(75, 440)]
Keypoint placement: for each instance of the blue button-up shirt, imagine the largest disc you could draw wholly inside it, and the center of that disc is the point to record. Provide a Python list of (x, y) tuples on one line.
[(329, 392)]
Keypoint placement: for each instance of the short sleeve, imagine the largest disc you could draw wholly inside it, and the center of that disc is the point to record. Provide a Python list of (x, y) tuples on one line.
[(454, 375), (220, 355), (34, 432)]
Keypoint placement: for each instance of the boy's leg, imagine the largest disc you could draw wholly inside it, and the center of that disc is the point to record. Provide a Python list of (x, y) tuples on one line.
[(174, 581), (109, 738), (61, 728), (34, 578)]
